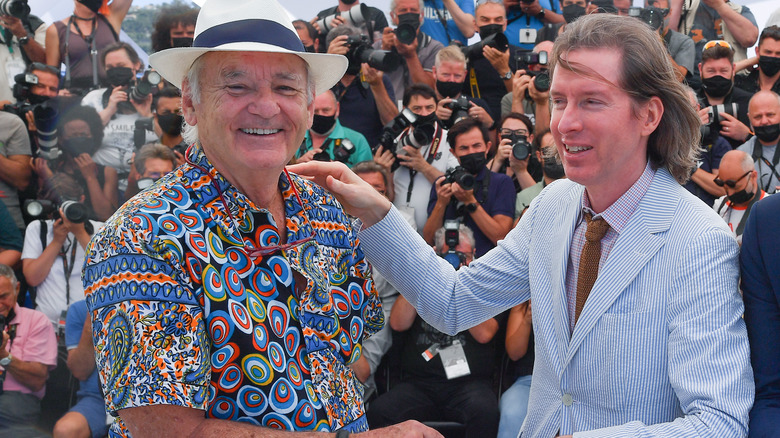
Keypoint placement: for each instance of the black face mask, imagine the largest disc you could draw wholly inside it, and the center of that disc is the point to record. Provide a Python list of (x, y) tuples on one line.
[(768, 133), (423, 120), (323, 125), (181, 42), (309, 49), (79, 145), (572, 12), (92, 5), (170, 123), (36, 99), (348, 2), (717, 86), (119, 76), (473, 163), (741, 197), (769, 65), (489, 29), (449, 89), (553, 169)]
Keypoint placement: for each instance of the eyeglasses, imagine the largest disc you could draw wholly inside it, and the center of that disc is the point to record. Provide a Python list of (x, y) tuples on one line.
[(506, 132), (730, 182), (713, 43)]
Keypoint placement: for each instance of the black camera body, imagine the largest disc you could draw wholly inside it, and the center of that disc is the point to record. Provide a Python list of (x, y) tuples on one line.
[(460, 110), (360, 51), (16, 8), (139, 133), (461, 176), (145, 86), (407, 129), (45, 115), (497, 41), (652, 16), (406, 32), (521, 149)]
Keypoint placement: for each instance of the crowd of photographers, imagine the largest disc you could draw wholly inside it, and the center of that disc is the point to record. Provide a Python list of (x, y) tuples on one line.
[(456, 135)]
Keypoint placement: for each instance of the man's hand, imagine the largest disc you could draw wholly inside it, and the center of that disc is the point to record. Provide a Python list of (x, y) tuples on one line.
[(357, 197), (309, 155), (479, 113), (144, 107), (388, 38), (531, 8), (412, 159), (704, 115), (30, 117), (339, 45), (443, 112), (463, 195), (87, 167), (337, 21), (14, 25), (503, 152), (731, 127), (536, 95), (371, 75), (384, 158), (520, 83), (443, 191), (498, 59), (407, 429), (41, 168), (118, 94), (406, 50)]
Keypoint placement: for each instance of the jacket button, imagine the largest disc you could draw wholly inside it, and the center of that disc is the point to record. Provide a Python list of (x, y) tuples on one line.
[(567, 399)]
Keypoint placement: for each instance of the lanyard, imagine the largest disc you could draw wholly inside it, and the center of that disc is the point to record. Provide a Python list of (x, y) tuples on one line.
[(68, 266), (432, 151)]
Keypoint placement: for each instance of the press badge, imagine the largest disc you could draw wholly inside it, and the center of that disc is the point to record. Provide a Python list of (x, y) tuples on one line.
[(528, 36), (454, 360), (13, 67)]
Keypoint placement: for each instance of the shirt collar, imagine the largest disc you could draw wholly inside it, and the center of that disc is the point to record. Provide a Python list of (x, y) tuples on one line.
[(618, 214)]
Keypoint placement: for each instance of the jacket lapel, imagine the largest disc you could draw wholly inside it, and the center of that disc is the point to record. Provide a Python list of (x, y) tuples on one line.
[(637, 244)]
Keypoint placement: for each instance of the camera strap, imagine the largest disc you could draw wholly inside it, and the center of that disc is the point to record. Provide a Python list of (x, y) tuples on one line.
[(758, 156), (432, 151), (443, 20), (473, 83), (90, 40), (67, 267)]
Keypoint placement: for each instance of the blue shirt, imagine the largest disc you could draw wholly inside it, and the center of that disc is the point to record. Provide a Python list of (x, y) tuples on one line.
[(362, 151), (74, 325), (518, 22), (359, 111), (709, 160), (433, 24)]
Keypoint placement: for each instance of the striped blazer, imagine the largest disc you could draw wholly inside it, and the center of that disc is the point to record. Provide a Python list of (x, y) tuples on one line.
[(660, 348)]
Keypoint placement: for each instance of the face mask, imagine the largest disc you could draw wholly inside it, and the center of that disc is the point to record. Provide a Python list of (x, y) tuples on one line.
[(170, 123), (79, 145), (767, 134), (553, 169), (572, 12), (423, 120), (717, 86), (119, 76), (490, 29), (770, 65), (323, 125), (348, 2), (309, 49), (181, 42), (93, 5), (36, 99), (473, 163), (741, 196), (449, 89)]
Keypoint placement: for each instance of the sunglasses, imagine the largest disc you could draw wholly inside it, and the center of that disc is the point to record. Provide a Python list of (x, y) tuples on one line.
[(721, 43), (730, 182)]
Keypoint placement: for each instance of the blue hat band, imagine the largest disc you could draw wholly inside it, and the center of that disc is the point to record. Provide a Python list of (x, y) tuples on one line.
[(249, 31)]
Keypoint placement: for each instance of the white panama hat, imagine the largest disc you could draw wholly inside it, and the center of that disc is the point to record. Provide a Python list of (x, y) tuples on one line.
[(246, 26)]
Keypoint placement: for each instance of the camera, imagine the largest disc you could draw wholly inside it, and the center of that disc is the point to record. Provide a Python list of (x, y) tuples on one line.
[(407, 129), (652, 16), (46, 115), (521, 149), (419, 135), (460, 110), (727, 108), (497, 41), (461, 176), (75, 212), (452, 239), (16, 8), (355, 16), (360, 51), (145, 86), (406, 32), (139, 133), (526, 59), (605, 6)]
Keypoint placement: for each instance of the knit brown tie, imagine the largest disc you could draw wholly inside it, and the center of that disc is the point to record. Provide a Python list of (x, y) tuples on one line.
[(589, 261)]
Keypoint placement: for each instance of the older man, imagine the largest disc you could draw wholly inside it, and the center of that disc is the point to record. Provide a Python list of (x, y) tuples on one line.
[(739, 181), (764, 114), (232, 295), (637, 315)]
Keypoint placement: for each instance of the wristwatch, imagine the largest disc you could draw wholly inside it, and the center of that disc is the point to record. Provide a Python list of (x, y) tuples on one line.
[(540, 15), (24, 40), (507, 76), (471, 208), (6, 360)]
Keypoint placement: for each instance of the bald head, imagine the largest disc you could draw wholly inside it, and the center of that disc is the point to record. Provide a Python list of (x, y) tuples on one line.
[(734, 164), (326, 104)]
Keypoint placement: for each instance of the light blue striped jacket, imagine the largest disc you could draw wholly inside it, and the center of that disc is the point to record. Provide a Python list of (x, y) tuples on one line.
[(660, 348)]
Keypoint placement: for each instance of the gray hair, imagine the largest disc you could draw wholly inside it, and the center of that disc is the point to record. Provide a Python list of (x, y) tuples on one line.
[(646, 72), (7, 272), (394, 4), (465, 235), (153, 150), (481, 3), (189, 133), (450, 54)]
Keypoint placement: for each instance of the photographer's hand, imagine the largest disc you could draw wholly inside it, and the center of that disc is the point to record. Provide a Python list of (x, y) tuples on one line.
[(704, 115), (519, 85), (87, 167), (41, 168), (144, 107), (338, 46), (309, 155), (442, 110), (14, 25), (443, 192), (498, 59), (503, 152), (731, 127), (412, 158), (539, 97), (406, 50), (463, 195), (118, 94), (77, 229), (479, 113), (30, 117), (384, 158), (388, 38)]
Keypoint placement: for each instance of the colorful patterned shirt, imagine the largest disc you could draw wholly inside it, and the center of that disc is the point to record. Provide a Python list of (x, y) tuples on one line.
[(185, 313)]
